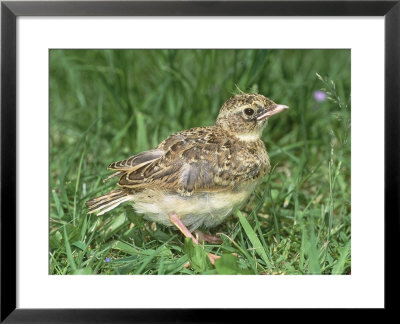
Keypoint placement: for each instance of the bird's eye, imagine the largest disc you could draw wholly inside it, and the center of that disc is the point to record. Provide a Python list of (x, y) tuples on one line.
[(249, 111)]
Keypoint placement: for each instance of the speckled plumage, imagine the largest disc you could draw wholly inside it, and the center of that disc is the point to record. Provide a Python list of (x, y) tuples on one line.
[(200, 174)]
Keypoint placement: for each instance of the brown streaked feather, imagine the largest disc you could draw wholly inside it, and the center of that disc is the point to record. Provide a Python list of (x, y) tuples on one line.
[(108, 195), (137, 159), (107, 201), (195, 160), (116, 174)]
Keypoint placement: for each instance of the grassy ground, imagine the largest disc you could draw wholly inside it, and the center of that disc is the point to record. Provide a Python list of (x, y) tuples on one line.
[(106, 105)]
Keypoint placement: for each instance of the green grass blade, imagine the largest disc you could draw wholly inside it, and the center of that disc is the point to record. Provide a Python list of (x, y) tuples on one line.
[(253, 238), (148, 259), (339, 267), (68, 251), (77, 186), (60, 211), (142, 141), (311, 251)]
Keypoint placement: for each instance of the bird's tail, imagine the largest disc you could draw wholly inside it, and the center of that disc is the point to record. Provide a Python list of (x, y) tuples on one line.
[(108, 201)]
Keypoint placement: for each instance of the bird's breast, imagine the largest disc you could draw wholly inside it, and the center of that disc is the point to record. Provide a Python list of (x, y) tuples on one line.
[(202, 209)]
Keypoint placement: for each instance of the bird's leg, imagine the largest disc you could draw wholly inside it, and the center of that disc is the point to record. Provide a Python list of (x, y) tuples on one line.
[(179, 224), (203, 237)]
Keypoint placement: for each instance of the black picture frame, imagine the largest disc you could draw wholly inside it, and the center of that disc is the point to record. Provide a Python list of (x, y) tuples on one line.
[(10, 10)]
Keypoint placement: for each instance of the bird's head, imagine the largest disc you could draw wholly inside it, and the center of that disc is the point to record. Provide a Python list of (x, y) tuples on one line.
[(245, 115)]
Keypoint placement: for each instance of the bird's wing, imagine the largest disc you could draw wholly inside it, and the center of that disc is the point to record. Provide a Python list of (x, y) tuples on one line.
[(133, 162), (194, 160)]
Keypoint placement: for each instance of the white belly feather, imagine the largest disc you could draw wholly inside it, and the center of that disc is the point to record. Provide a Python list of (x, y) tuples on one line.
[(205, 209)]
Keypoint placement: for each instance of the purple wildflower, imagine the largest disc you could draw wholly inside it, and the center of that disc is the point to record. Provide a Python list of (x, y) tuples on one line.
[(319, 96), (108, 260)]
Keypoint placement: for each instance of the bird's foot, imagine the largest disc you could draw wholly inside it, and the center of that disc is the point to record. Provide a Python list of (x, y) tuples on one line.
[(179, 224), (203, 237), (213, 257)]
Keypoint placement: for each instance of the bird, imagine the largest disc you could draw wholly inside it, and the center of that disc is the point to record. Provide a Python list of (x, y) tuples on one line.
[(195, 178)]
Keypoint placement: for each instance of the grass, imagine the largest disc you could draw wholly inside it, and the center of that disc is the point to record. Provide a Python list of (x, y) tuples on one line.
[(107, 105)]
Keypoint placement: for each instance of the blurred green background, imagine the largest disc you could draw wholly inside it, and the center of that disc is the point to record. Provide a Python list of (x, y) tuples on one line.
[(106, 105)]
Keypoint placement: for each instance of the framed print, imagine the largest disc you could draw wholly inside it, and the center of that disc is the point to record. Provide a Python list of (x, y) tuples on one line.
[(184, 154)]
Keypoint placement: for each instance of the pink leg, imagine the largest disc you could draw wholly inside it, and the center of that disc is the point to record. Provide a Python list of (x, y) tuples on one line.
[(179, 224)]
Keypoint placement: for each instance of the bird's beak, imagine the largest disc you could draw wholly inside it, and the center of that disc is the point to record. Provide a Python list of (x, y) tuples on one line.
[(275, 110)]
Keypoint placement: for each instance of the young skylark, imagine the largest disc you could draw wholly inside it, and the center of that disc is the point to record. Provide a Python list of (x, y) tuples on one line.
[(195, 178)]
